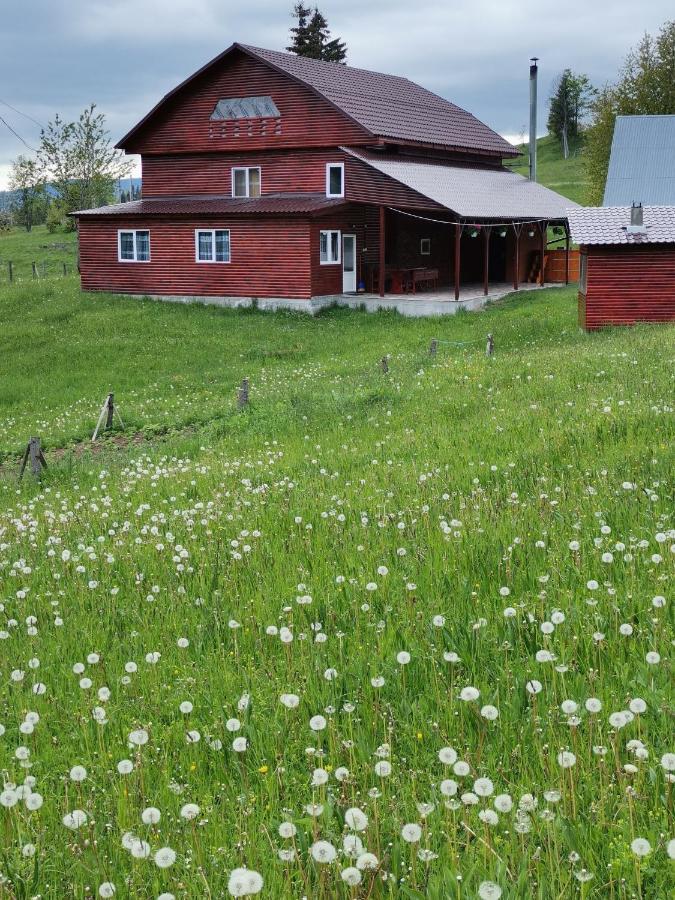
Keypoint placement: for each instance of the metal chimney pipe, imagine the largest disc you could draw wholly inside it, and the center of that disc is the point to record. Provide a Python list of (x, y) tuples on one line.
[(533, 117), (636, 217)]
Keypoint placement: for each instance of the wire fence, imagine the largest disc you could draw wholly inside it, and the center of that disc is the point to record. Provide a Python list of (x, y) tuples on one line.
[(14, 272)]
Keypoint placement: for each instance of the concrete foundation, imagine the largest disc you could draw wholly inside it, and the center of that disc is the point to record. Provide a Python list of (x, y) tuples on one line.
[(437, 303)]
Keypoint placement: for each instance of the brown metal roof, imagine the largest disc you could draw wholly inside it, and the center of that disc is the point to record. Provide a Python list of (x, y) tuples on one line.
[(387, 106), (472, 192), (204, 205), (609, 225)]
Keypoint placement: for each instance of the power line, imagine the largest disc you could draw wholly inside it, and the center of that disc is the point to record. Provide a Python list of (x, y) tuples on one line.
[(17, 135), (25, 115)]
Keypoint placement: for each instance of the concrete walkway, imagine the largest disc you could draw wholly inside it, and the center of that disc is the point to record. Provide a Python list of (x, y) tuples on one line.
[(435, 303), (429, 303)]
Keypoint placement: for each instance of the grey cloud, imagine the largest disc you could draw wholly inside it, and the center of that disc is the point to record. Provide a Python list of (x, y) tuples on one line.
[(125, 54)]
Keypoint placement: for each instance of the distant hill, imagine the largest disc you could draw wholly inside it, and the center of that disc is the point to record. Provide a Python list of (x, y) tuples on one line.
[(566, 176), (121, 186)]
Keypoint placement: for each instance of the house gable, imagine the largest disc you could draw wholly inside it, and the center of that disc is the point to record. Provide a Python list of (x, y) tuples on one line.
[(184, 120)]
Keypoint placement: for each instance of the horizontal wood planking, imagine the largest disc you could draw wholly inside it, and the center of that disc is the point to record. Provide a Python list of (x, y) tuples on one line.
[(629, 284), (184, 124), (211, 173), (361, 221), (269, 258)]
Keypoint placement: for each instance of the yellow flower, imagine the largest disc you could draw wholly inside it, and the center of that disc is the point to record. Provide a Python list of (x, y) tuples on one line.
[(193, 766), (419, 735), (329, 768), (263, 770)]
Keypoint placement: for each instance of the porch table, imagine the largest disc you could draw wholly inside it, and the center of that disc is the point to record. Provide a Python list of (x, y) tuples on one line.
[(405, 280)]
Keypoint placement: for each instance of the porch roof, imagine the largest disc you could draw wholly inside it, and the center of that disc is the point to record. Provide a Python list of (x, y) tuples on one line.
[(212, 204), (472, 192)]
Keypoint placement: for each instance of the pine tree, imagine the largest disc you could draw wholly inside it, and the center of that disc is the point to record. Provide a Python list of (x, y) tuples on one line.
[(300, 32), (311, 37), (570, 100)]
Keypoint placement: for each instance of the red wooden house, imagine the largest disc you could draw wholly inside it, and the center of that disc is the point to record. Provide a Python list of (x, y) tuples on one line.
[(272, 176), (627, 264)]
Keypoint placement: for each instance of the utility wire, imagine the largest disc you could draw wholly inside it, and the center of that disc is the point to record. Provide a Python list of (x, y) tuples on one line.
[(17, 135), (25, 115)]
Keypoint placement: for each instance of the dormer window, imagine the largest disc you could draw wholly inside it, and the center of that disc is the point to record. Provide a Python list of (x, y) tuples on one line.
[(335, 179), (246, 182)]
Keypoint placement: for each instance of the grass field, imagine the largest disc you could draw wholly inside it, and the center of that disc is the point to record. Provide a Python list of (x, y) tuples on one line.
[(377, 635), (566, 176)]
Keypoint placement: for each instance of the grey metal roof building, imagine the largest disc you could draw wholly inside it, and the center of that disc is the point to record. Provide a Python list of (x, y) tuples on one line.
[(642, 162)]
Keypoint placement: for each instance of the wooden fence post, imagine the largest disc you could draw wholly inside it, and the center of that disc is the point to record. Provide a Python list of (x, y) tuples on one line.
[(10, 266), (33, 453), (384, 362), (35, 271), (433, 347), (490, 347), (242, 397), (65, 269)]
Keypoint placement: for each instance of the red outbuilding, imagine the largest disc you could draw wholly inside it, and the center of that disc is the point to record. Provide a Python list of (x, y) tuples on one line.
[(627, 264), (276, 178)]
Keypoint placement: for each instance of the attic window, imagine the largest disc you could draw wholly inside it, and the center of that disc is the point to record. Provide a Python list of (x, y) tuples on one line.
[(245, 108)]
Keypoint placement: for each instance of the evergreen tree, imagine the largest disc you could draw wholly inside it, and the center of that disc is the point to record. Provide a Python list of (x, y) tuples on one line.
[(311, 37), (569, 102), (646, 86)]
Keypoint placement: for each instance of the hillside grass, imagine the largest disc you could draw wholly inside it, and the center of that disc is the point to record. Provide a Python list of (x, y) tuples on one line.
[(47, 251), (391, 593), (565, 176)]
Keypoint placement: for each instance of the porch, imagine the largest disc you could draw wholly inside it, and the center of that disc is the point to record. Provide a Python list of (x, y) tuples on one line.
[(430, 303)]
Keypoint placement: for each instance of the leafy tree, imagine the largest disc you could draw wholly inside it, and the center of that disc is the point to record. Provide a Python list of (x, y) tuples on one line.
[(646, 86), (80, 163), (29, 203), (311, 36), (569, 102)]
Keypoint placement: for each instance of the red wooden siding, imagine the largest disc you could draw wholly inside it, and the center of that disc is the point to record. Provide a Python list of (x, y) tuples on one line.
[(184, 125), (628, 284), (364, 223), (211, 173), (269, 258)]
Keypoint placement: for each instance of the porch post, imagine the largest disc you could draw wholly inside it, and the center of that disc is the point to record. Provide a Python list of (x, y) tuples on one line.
[(383, 236), (543, 225), (458, 236), (567, 254), (486, 258), (516, 258)]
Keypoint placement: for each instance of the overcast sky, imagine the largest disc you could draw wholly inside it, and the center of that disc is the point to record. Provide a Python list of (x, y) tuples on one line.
[(61, 55)]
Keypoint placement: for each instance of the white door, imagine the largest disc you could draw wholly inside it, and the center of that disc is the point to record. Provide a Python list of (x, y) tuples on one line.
[(348, 263)]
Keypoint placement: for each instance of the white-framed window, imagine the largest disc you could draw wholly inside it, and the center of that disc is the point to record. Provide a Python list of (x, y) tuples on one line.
[(133, 246), (425, 246), (335, 179), (246, 181), (212, 245), (330, 243)]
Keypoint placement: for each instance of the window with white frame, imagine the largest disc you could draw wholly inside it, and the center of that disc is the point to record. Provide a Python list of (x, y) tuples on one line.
[(329, 247), (425, 246), (133, 246), (335, 179), (212, 245), (246, 182)]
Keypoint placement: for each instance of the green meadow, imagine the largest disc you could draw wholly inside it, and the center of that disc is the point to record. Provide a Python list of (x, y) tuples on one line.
[(403, 634)]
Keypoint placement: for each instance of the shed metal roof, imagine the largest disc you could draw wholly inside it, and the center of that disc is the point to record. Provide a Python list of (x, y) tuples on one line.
[(277, 204), (608, 225), (472, 191), (642, 162)]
